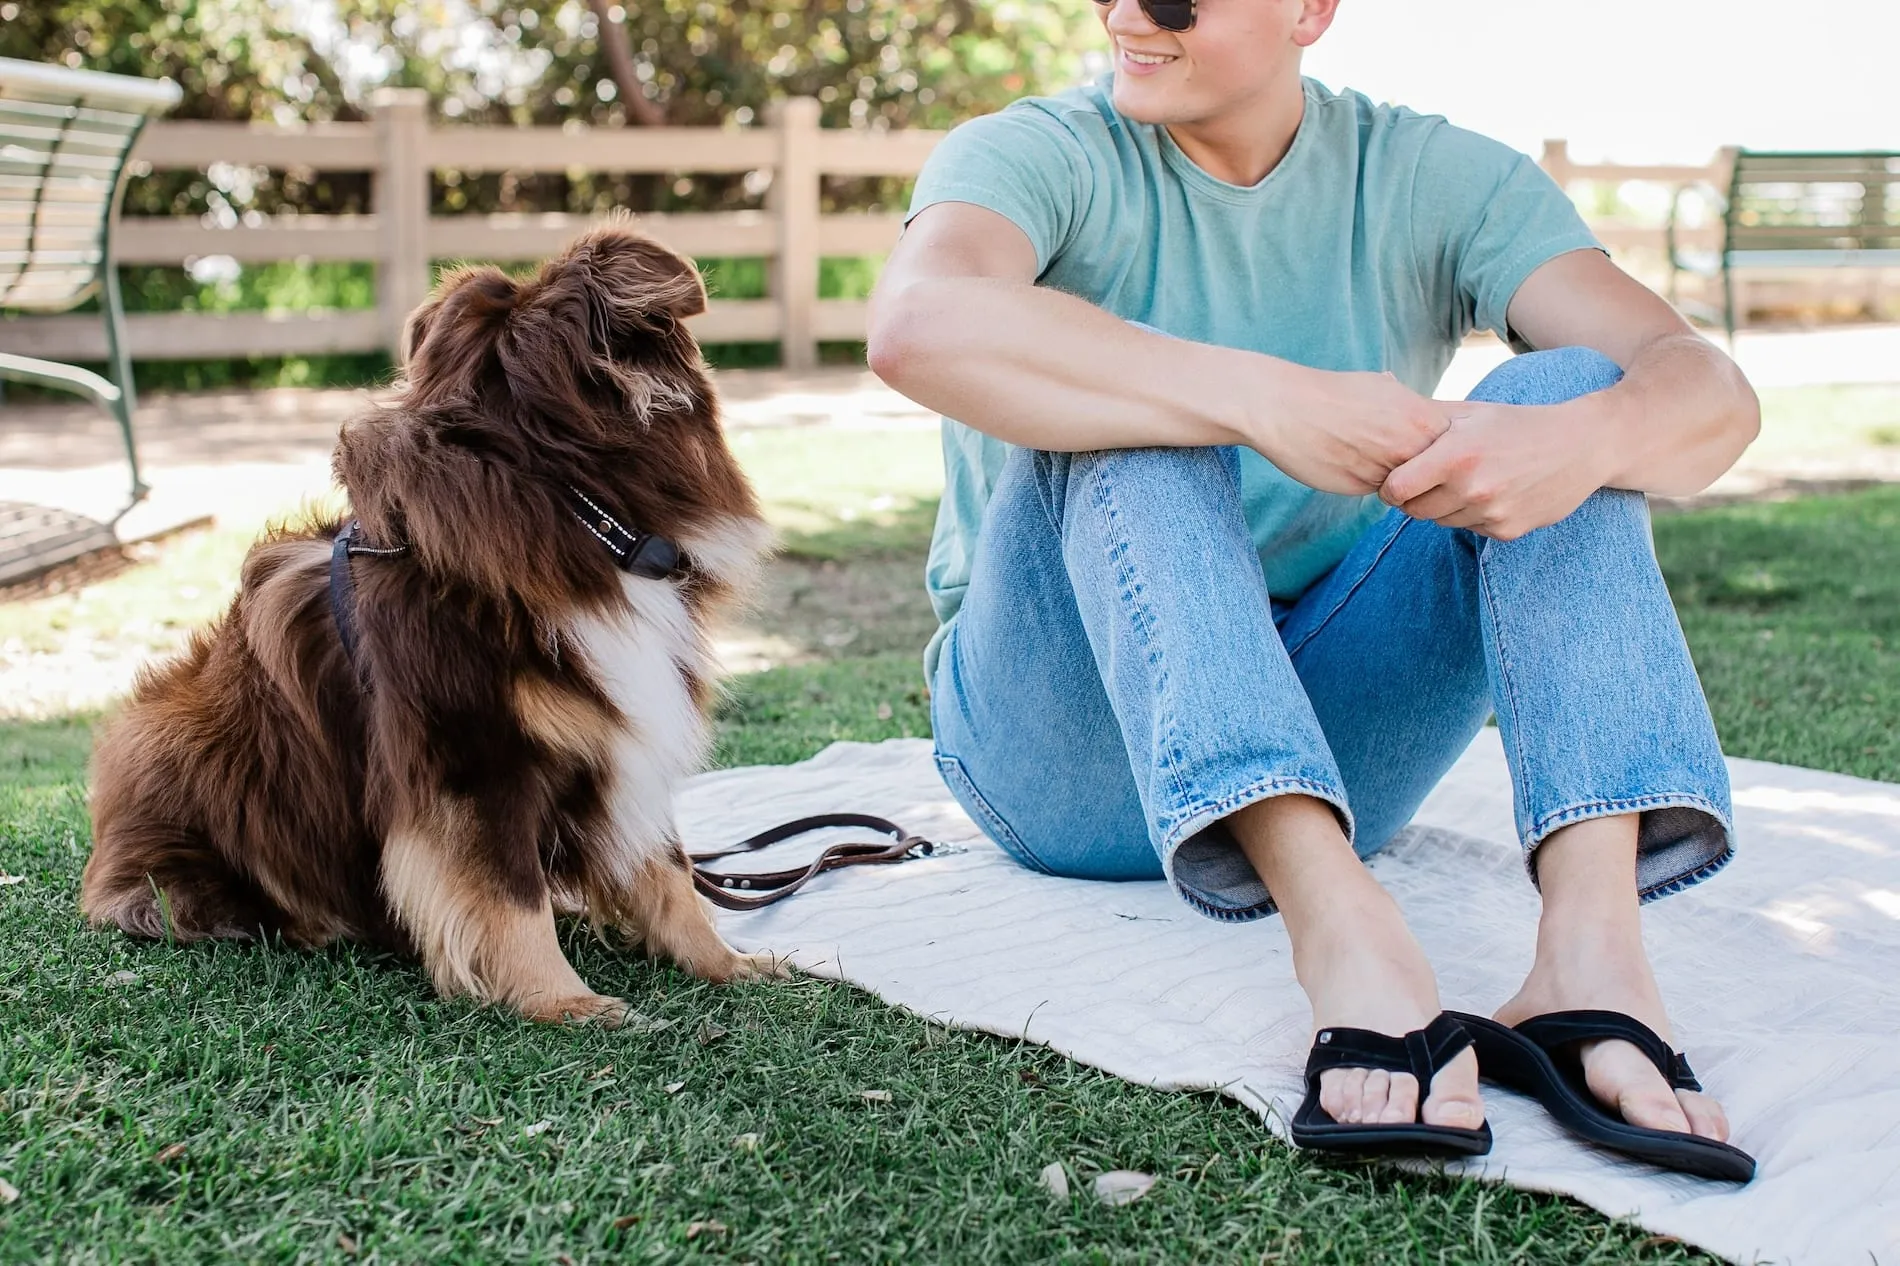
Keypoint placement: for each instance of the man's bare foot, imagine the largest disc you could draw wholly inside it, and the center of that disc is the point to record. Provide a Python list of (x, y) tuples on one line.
[(1616, 977), (1356, 960), (1590, 957)]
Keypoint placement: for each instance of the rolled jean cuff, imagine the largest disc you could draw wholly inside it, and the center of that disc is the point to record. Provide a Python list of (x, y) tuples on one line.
[(1682, 838), (1204, 863)]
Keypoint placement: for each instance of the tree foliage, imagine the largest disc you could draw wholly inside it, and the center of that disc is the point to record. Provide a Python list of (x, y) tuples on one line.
[(871, 63)]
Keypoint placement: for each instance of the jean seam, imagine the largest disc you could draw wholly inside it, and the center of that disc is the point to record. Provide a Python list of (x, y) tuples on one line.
[(987, 818), (1355, 587), (1141, 616), (1501, 691)]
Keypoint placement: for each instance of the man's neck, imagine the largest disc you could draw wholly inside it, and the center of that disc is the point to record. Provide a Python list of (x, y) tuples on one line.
[(1243, 145)]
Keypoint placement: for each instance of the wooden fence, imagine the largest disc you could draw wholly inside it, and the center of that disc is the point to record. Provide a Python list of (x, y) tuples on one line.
[(402, 149)]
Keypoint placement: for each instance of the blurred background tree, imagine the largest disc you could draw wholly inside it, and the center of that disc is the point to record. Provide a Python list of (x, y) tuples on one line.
[(597, 63)]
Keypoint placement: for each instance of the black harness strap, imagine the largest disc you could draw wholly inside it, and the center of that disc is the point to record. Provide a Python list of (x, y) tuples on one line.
[(343, 590)]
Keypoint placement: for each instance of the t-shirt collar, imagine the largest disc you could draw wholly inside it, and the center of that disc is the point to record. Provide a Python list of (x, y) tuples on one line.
[(1202, 181)]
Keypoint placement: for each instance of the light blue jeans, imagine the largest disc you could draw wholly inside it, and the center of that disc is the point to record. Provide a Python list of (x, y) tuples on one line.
[(1118, 681)]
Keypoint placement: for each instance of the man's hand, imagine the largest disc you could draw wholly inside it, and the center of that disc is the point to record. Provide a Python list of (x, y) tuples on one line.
[(1345, 432), (1502, 470)]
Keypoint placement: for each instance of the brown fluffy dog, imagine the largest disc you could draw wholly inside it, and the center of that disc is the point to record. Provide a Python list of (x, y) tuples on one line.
[(505, 741)]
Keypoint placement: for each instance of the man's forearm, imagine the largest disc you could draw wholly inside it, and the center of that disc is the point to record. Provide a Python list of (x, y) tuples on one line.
[(1044, 369), (1681, 416)]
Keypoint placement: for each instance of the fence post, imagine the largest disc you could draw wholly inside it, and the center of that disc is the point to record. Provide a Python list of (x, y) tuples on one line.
[(401, 203), (793, 199), (1556, 163)]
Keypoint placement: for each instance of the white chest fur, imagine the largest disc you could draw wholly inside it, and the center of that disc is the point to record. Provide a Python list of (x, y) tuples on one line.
[(639, 657)]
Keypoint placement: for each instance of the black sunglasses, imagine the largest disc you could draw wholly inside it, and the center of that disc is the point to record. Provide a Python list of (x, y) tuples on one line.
[(1169, 15)]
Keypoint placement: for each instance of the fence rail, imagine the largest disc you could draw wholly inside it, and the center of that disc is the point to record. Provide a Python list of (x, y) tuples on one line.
[(402, 150)]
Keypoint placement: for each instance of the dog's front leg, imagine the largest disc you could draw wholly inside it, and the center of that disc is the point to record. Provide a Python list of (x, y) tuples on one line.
[(661, 907), (483, 934)]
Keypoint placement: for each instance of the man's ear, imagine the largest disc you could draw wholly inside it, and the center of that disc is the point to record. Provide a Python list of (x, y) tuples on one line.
[(1316, 16)]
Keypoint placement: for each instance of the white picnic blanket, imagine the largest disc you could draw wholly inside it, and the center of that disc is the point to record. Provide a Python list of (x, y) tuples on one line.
[(1782, 975)]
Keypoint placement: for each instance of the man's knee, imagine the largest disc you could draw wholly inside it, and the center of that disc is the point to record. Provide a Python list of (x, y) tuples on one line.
[(1168, 472), (1549, 377)]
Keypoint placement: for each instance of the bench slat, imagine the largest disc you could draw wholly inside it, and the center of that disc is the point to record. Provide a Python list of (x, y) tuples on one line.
[(68, 189), (51, 215), (38, 140), (15, 161), (89, 118)]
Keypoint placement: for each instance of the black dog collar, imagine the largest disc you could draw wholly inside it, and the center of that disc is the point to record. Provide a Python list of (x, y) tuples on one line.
[(640, 554)]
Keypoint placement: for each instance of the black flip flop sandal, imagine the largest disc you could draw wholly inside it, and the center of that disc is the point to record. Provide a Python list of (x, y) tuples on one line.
[(1539, 1058), (1422, 1053)]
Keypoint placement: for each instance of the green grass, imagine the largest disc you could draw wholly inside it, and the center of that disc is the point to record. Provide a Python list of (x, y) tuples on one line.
[(252, 1103), (1793, 613)]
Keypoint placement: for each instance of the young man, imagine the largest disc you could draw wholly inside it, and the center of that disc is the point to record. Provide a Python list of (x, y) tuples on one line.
[(1187, 321)]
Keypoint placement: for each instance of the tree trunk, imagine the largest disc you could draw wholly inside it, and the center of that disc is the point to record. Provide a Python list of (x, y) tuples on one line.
[(613, 41)]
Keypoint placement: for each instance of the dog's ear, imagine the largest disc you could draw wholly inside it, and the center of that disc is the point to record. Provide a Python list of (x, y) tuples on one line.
[(631, 278), (606, 314), (446, 338)]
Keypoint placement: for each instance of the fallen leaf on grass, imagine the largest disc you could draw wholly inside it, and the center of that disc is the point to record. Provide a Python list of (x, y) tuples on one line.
[(124, 978), (171, 1153), (1122, 1186), (636, 1022), (875, 1096), (8, 1192), (607, 1071), (562, 1259), (674, 1087), (7, 881), (345, 1243), (883, 711), (1029, 1076), (539, 1127), (1055, 1180), (625, 1221), (746, 1142), (710, 1227), (710, 1032)]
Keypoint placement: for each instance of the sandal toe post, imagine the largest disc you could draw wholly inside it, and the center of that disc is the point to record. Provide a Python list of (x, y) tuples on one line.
[(1422, 1053), (1539, 1058)]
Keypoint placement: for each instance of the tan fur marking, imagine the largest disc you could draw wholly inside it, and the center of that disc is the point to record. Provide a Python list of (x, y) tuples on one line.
[(563, 721), (479, 943), (661, 908)]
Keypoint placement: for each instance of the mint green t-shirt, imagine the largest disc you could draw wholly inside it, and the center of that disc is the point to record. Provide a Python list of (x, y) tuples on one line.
[(1378, 242)]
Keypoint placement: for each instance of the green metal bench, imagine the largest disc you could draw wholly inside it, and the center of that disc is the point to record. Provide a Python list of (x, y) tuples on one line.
[(65, 136), (1795, 210)]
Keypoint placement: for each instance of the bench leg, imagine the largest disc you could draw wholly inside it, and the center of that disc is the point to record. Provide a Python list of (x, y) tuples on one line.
[(1728, 303), (120, 356)]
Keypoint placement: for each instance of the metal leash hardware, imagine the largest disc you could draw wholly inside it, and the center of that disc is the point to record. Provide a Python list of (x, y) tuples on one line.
[(735, 891)]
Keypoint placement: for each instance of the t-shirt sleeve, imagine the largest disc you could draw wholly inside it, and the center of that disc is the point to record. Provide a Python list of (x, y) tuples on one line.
[(1484, 218), (1022, 163)]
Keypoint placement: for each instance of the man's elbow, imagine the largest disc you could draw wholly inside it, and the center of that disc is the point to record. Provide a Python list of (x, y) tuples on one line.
[(889, 344)]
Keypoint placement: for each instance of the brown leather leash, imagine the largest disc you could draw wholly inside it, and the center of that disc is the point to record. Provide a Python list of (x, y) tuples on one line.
[(754, 891)]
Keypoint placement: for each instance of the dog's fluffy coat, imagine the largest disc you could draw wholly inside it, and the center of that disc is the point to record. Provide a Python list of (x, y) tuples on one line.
[(506, 743)]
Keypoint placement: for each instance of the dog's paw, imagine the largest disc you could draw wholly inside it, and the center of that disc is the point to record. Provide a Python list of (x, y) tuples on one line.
[(766, 966), (593, 1008)]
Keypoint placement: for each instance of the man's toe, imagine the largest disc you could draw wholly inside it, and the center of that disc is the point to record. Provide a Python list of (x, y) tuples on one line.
[(1705, 1115), (1454, 1100), (1401, 1100), (1622, 1076)]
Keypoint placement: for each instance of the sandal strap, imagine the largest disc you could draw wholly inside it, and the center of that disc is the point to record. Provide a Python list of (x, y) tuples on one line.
[(1561, 1028), (1422, 1052)]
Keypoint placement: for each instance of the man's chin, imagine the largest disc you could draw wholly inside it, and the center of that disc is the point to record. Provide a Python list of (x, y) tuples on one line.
[(1140, 106)]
